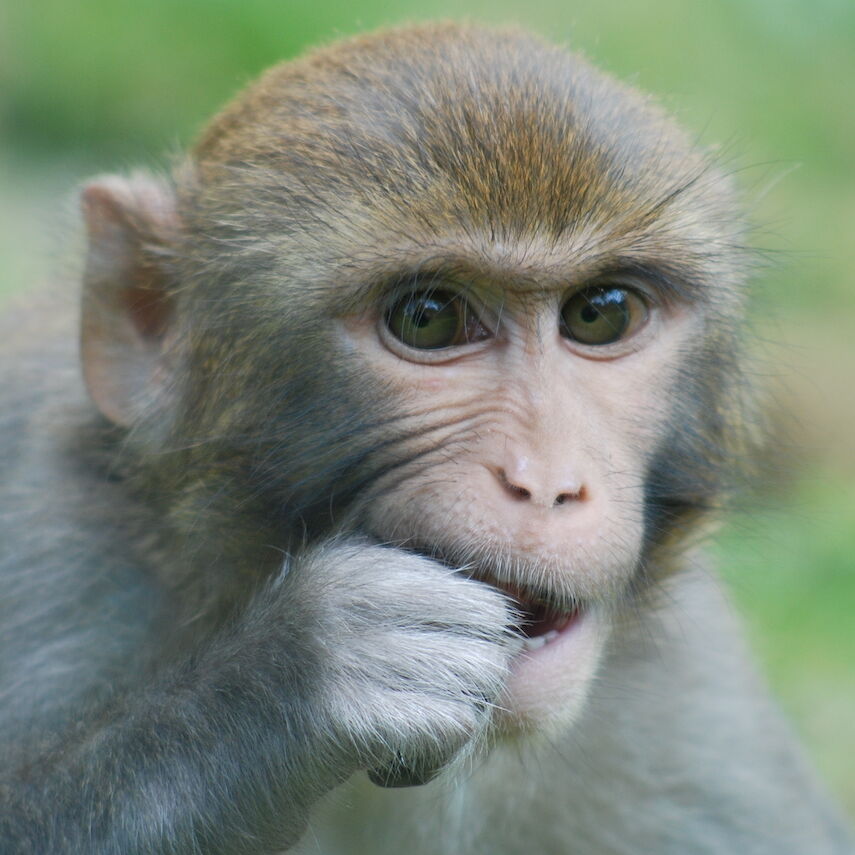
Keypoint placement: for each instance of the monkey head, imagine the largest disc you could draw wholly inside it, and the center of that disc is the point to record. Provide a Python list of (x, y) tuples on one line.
[(477, 308)]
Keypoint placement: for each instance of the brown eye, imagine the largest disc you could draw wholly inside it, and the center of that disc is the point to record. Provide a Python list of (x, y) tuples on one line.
[(430, 320), (602, 314)]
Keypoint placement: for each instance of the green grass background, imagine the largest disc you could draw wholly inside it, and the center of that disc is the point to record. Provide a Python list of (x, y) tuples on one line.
[(99, 85)]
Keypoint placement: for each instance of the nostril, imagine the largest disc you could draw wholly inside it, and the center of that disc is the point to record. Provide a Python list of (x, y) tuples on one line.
[(575, 496), (514, 489), (544, 495)]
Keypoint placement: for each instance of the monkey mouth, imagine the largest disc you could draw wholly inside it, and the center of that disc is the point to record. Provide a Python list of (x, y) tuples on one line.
[(540, 621), (540, 617), (542, 625)]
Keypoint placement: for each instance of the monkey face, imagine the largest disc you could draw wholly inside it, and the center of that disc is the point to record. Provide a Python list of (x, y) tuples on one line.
[(527, 417)]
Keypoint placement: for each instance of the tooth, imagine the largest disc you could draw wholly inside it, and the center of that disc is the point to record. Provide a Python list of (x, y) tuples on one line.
[(539, 641)]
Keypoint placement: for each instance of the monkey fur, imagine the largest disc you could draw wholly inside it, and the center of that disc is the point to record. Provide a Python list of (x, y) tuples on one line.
[(399, 408)]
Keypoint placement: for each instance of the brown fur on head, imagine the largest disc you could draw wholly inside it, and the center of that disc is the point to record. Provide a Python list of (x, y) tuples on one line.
[(444, 130)]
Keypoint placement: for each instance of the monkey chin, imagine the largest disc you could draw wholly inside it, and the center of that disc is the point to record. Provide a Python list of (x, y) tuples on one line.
[(551, 675)]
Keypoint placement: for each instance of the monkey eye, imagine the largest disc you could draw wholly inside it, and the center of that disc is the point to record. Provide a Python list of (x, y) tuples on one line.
[(433, 319), (602, 314)]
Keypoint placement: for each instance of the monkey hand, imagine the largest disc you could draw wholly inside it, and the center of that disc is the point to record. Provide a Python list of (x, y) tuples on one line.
[(415, 657)]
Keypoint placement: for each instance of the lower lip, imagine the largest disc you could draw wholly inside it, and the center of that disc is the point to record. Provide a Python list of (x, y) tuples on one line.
[(548, 683)]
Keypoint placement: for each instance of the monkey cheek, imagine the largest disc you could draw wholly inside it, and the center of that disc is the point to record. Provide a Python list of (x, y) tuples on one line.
[(548, 686)]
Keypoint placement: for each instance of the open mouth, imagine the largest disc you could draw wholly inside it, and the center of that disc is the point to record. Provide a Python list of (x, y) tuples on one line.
[(544, 625), (541, 622), (540, 619)]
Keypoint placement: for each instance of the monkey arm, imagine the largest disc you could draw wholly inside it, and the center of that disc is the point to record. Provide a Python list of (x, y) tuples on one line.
[(341, 664), (184, 765)]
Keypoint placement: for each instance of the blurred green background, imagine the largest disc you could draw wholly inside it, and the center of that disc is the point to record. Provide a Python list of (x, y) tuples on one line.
[(97, 85)]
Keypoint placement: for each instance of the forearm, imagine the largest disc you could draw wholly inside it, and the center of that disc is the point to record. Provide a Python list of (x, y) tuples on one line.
[(217, 745), (356, 658)]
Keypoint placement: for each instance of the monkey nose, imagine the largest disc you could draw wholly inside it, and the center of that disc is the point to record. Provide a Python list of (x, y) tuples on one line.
[(546, 489)]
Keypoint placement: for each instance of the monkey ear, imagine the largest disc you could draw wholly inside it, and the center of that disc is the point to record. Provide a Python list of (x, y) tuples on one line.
[(127, 308)]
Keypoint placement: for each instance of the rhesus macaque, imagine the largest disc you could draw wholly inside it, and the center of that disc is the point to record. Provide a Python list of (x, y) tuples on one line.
[(403, 402)]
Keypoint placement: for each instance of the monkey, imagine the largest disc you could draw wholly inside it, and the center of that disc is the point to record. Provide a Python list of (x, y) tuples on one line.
[(363, 511)]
